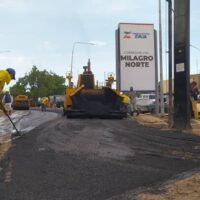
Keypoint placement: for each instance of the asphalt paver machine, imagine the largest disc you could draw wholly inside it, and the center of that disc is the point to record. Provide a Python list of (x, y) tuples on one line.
[(88, 100)]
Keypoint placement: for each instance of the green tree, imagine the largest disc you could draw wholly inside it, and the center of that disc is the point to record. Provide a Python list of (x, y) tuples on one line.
[(39, 84), (19, 87)]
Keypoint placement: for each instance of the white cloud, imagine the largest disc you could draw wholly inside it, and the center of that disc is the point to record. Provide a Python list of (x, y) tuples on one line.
[(11, 3), (113, 7), (20, 59), (47, 45), (22, 64)]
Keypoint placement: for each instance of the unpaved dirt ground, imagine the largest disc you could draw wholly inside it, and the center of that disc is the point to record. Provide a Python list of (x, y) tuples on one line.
[(152, 121), (3, 149), (161, 122), (186, 187)]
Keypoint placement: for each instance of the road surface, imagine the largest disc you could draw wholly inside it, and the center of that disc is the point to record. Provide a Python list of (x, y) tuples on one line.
[(93, 159)]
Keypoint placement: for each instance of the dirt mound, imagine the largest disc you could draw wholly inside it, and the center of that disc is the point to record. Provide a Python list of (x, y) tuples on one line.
[(152, 120)]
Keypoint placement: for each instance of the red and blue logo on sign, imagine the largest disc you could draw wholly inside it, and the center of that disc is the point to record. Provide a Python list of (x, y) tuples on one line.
[(127, 35)]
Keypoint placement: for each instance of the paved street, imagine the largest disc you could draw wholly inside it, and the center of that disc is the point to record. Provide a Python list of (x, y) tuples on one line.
[(93, 159), (24, 121)]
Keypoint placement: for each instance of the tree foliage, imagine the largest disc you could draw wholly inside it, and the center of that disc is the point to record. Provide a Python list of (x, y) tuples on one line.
[(39, 84)]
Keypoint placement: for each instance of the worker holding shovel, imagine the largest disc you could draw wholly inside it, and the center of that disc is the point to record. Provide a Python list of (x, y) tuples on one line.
[(5, 77)]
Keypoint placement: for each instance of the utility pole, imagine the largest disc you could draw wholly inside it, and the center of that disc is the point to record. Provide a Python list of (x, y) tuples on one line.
[(182, 110), (161, 68)]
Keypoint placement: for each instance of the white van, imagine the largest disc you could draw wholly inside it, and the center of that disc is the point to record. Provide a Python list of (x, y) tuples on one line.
[(146, 102), (148, 96)]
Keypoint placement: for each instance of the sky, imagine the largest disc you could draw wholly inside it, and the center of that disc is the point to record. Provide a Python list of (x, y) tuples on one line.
[(43, 32)]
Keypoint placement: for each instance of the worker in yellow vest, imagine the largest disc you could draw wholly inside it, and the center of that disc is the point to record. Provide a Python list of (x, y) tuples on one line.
[(5, 77), (44, 103), (125, 101)]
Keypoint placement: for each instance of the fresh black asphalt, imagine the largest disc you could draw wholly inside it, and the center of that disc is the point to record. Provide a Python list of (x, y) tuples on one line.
[(93, 159)]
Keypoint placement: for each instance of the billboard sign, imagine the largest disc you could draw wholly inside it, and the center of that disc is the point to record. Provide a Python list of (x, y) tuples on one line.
[(136, 56)]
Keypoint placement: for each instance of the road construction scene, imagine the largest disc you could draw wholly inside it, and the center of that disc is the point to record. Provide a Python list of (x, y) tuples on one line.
[(119, 121)]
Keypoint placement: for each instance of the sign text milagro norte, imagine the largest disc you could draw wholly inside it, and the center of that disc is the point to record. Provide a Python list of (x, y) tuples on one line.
[(136, 61)]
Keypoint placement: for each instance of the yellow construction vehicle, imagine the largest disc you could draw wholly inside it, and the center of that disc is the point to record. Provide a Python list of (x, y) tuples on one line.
[(89, 101), (110, 81), (21, 102)]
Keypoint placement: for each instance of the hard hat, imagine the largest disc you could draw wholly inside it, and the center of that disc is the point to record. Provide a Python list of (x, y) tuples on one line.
[(12, 72)]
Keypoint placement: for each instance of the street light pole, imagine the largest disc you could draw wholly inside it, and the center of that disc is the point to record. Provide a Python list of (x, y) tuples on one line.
[(161, 68), (73, 48), (198, 49), (170, 107), (195, 47)]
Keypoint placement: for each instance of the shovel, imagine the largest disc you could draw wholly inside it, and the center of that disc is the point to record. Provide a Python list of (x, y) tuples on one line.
[(4, 110)]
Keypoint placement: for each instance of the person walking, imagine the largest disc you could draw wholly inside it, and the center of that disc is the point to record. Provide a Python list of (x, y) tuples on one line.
[(5, 77), (132, 97)]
